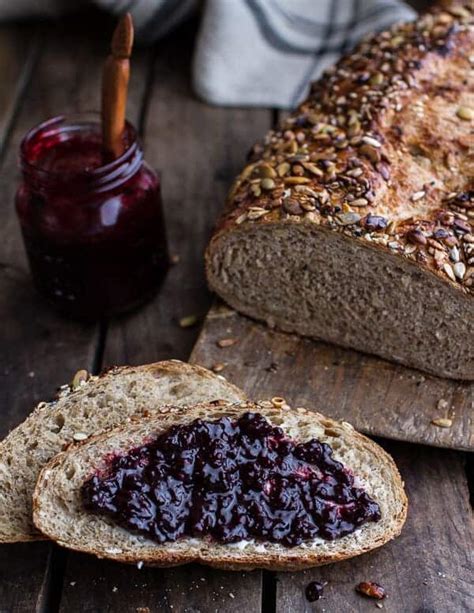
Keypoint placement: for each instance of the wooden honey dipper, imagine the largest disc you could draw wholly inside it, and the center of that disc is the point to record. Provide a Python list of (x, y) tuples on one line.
[(115, 88)]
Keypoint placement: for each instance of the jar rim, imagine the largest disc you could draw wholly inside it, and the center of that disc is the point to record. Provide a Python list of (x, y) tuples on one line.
[(102, 178), (75, 121)]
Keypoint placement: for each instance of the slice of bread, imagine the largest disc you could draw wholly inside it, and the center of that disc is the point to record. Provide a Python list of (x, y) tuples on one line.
[(58, 510), (85, 408)]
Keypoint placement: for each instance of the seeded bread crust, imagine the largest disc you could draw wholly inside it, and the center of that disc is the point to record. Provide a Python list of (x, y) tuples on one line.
[(88, 406), (59, 514), (381, 155)]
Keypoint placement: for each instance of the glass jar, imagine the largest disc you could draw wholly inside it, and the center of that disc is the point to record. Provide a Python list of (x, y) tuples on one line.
[(93, 228)]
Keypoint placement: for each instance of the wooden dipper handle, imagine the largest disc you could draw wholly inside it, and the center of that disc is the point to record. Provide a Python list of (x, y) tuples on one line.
[(115, 87)]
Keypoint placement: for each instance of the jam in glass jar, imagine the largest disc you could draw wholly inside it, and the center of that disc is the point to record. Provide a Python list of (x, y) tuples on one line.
[(93, 228)]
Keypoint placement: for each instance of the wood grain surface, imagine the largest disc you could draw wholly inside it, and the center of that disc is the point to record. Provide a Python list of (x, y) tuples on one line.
[(375, 396), (94, 585), (23, 568), (198, 149)]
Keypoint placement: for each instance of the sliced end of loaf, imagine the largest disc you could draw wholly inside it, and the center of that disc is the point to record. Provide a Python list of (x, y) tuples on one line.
[(59, 514), (303, 278)]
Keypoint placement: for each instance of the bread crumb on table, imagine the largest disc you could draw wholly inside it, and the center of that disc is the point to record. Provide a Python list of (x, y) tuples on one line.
[(442, 404)]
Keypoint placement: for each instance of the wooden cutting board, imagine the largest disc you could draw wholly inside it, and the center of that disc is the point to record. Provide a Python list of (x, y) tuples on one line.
[(375, 396)]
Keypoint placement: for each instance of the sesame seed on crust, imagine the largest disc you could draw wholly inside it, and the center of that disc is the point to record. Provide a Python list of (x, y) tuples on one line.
[(381, 150)]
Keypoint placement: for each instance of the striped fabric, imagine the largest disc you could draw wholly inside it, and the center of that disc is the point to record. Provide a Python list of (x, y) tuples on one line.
[(248, 52), (263, 52)]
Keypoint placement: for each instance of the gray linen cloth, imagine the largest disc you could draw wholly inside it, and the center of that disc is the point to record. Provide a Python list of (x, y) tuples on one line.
[(249, 52)]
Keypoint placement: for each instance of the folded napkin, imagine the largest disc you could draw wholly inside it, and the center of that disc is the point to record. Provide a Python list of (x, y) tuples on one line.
[(264, 52), (250, 52)]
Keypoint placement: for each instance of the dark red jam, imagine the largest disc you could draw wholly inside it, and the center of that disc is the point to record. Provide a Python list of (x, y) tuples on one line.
[(314, 590), (93, 228), (230, 480)]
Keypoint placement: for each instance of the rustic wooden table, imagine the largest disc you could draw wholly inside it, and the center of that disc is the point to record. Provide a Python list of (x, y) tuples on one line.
[(49, 69)]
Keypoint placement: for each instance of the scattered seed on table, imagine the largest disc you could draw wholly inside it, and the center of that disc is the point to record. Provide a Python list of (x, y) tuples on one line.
[(466, 113), (227, 342), (442, 422), (188, 321), (218, 367)]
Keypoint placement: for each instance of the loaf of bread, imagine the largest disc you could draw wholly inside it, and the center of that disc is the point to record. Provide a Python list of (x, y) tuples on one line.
[(87, 406), (60, 514), (354, 220)]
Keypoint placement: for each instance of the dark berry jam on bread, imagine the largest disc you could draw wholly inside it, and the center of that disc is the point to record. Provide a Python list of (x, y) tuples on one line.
[(230, 480)]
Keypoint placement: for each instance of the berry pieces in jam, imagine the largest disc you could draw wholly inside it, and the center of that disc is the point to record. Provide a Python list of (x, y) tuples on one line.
[(229, 480)]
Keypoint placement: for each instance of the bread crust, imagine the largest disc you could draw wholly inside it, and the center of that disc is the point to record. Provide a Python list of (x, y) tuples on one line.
[(377, 165), (285, 559), (379, 151)]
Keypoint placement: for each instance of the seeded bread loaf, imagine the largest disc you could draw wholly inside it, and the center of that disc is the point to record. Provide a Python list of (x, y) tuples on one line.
[(59, 513), (354, 220), (86, 407)]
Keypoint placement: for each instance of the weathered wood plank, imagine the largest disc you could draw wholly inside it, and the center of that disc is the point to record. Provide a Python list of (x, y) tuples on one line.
[(22, 567), (154, 334), (428, 568), (40, 351), (377, 397), (19, 48), (23, 576), (198, 149), (93, 585)]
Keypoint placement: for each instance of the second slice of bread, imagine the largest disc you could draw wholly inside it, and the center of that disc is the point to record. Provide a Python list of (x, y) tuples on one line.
[(58, 510), (98, 403)]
